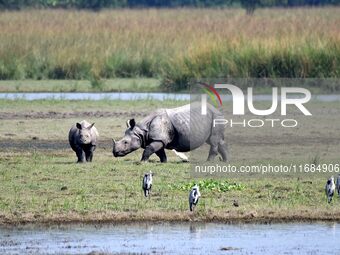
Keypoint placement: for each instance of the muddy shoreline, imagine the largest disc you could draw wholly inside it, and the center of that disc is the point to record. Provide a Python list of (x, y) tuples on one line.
[(269, 217), (41, 144)]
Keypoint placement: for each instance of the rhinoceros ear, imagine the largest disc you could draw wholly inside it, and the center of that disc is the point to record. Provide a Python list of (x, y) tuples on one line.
[(131, 123), (78, 125), (91, 126)]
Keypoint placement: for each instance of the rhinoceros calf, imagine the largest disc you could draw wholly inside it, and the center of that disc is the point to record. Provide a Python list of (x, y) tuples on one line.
[(83, 140), (183, 129)]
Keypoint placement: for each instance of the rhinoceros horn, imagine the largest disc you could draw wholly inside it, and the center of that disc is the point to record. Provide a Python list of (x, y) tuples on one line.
[(114, 143)]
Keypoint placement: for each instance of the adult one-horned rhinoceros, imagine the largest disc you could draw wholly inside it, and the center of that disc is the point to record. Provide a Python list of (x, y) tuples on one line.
[(183, 129), (83, 140)]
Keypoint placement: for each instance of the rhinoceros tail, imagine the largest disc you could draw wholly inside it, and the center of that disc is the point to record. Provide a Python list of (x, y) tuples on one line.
[(181, 155)]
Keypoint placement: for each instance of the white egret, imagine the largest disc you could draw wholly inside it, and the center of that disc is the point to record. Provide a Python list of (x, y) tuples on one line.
[(183, 157)]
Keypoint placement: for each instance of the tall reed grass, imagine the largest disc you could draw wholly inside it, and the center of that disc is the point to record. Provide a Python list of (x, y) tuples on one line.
[(174, 45)]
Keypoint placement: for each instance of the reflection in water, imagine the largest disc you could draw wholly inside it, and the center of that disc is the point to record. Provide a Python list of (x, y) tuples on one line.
[(332, 228), (125, 96), (193, 228), (170, 238), (196, 230)]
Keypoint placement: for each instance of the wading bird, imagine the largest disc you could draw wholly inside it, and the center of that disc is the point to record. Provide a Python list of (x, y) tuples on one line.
[(338, 185), (329, 188), (147, 183), (194, 195)]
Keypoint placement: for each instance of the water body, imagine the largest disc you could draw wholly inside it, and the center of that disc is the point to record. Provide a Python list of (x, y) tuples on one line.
[(184, 238), (125, 96), (128, 96)]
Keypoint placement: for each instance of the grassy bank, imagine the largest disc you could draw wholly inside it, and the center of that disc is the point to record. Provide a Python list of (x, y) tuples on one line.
[(47, 187), (40, 181), (167, 44)]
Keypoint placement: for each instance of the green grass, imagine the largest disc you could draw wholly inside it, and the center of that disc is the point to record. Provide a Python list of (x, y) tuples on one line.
[(171, 45), (107, 184), (74, 106), (209, 185), (44, 184), (41, 185)]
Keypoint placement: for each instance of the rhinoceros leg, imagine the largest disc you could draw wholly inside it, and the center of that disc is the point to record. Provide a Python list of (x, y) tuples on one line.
[(213, 141), (162, 156), (217, 145), (150, 149), (213, 152), (89, 156), (89, 153), (222, 149), (80, 154)]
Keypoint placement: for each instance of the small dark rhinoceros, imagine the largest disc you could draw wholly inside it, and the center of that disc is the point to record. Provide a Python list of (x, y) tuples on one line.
[(83, 140), (182, 129)]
